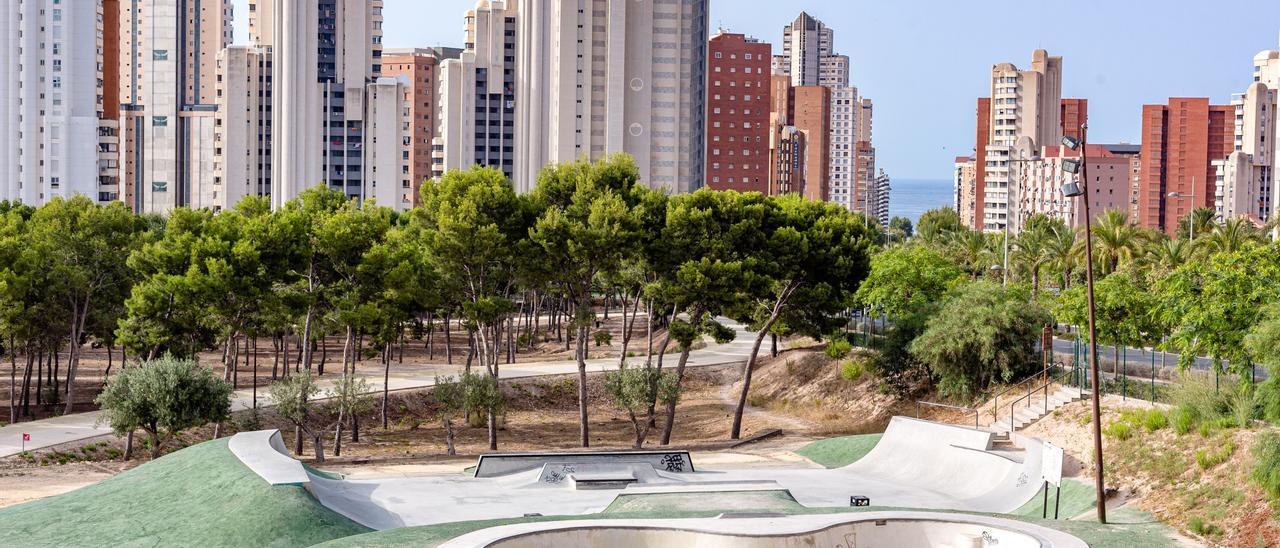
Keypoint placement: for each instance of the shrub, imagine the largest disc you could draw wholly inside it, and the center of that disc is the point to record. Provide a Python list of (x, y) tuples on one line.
[(852, 370), (1119, 430), (1208, 458), (602, 338), (1200, 527), (164, 397), (838, 348), (1154, 419), (1183, 420), (1266, 464), (1268, 400)]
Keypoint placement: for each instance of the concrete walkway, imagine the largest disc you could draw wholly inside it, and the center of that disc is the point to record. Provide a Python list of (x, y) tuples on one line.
[(83, 426)]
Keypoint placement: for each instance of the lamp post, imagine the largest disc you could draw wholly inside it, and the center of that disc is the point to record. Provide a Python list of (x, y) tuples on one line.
[(1191, 219), (1073, 190)]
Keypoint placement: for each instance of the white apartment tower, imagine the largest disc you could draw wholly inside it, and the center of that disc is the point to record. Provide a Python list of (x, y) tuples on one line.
[(1246, 182), (168, 86), (242, 128), (56, 135), (597, 77), (1026, 114), (326, 55), (806, 42), (477, 95)]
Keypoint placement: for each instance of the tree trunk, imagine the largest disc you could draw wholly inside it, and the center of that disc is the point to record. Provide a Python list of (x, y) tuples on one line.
[(583, 427), (736, 431), (155, 444), (347, 345), (255, 372), (386, 386), (13, 382), (355, 428), (641, 429), (448, 436), (337, 436), (671, 405), (297, 441), (128, 446), (73, 360), (319, 446), (448, 342), (773, 345)]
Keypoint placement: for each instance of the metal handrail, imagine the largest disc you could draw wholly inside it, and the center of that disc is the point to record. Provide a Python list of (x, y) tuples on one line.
[(995, 405), (1032, 391), (948, 406)]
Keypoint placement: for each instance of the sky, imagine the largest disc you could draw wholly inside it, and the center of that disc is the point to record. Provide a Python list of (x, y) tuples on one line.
[(925, 62)]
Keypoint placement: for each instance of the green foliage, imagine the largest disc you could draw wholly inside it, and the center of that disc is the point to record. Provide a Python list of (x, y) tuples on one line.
[(481, 394), (852, 370), (1266, 463), (1184, 419), (838, 348), (351, 395), (1154, 420), (936, 224), (634, 389), (1124, 311), (293, 398), (1119, 430), (985, 333), (908, 281), (1208, 458), (602, 338), (164, 397), (1205, 529)]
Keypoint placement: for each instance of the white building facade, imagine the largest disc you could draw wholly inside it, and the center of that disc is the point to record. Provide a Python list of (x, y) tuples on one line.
[(608, 76), (54, 138)]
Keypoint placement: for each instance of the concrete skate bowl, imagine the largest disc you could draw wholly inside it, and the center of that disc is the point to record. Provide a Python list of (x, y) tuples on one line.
[(872, 529)]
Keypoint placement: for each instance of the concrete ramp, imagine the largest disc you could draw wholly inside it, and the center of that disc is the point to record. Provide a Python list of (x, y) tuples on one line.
[(264, 452), (953, 460)]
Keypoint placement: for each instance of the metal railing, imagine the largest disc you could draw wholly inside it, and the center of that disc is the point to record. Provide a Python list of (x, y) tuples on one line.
[(967, 410), (1041, 374), (1066, 375)]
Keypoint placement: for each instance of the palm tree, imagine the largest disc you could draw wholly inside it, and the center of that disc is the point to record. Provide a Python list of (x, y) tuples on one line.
[(1204, 220), (1032, 252), (969, 248), (1063, 252), (1168, 254), (1233, 235), (1118, 241)]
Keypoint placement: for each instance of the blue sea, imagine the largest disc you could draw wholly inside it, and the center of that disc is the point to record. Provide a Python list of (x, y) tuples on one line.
[(912, 197)]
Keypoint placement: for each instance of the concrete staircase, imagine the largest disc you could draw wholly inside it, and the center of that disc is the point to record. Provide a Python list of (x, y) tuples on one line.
[(1024, 415)]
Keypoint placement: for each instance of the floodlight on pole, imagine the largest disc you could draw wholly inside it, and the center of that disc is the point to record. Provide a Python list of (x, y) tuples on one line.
[(1074, 190)]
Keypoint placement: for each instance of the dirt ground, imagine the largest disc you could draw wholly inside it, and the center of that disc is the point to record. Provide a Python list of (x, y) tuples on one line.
[(1158, 472), (541, 415), (97, 363)]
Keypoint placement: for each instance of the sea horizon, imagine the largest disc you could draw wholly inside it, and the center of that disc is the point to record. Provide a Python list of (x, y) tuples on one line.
[(910, 198)]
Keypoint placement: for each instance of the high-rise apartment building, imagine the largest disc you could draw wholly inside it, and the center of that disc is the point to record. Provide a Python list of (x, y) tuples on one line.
[(810, 112), (808, 58), (1180, 142), (242, 128), (171, 47), (787, 156), (806, 43), (476, 121), (387, 150), (418, 72), (964, 187), (1246, 184), (57, 138), (326, 59), (738, 131), (1024, 112), (1109, 186), (602, 77)]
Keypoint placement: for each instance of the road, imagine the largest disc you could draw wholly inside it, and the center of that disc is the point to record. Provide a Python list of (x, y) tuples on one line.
[(83, 426), (1142, 357)]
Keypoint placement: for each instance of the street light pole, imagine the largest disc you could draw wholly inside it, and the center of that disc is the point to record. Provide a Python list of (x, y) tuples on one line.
[(1191, 217), (1082, 190)]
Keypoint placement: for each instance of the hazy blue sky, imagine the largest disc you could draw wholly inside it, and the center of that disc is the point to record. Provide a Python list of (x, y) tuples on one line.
[(924, 62)]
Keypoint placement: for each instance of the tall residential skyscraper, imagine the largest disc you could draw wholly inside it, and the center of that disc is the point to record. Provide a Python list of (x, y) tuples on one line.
[(808, 58), (418, 72), (242, 128), (325, 56), (169, 88), (601, 77), (738, 116), (1025, 112), (810, 111), (1246, 181), (57, 138), (477, 95), (1180, 142), (806, 42)]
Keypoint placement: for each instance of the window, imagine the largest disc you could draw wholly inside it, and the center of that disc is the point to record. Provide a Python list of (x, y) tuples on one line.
[(160, 55), (160, 121)]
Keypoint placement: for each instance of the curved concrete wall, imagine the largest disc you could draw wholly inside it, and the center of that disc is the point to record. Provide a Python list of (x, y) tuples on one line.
[(264, 452), (897, 529)]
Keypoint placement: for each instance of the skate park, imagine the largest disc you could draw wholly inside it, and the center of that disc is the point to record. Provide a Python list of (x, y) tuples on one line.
[(925, 466)]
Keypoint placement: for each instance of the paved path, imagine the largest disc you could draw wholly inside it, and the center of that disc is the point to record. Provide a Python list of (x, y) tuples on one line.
[(82, 426)]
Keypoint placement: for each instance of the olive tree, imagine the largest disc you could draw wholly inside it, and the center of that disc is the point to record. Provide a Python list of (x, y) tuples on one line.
[(164, 397)]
